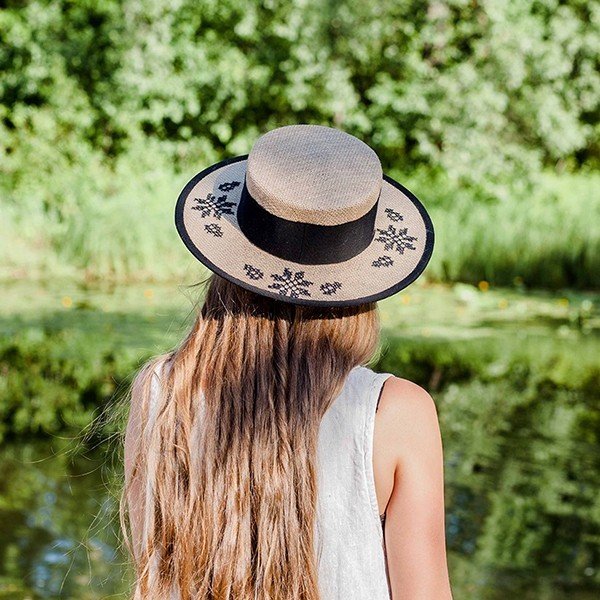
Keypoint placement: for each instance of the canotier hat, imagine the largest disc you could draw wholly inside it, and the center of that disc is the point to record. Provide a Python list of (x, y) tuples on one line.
[(307, 217)]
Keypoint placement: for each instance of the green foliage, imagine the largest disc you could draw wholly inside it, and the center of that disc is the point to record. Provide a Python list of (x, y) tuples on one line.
[(55, 380), (547, 239), (107, 107), (483, 90)]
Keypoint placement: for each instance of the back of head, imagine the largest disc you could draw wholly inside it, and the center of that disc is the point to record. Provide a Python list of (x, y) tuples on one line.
[(227, 454)]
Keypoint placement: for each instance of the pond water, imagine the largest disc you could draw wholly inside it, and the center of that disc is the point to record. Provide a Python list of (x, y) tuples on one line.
[(515, 379), (59, 532)]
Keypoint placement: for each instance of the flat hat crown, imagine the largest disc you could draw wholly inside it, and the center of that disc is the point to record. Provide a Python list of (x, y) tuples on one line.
[(313, 174)]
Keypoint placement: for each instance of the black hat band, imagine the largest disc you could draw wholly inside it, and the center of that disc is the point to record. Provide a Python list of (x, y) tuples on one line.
[(306, 243)]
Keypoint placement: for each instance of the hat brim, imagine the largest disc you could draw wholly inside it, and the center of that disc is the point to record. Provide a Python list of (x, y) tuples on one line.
[(205, 218)]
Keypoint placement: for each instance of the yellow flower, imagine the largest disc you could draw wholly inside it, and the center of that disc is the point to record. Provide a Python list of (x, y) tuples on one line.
[(67, 301), (483, 285)]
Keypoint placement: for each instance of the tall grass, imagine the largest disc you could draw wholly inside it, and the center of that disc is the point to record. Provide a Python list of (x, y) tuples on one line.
[(96, 219), (549, 239), (104, 220)]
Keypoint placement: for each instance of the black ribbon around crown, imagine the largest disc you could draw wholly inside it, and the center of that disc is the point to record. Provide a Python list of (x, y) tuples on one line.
[(305, 243)]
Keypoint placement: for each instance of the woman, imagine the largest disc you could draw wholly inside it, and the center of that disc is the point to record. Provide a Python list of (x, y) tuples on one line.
[(263, 458)]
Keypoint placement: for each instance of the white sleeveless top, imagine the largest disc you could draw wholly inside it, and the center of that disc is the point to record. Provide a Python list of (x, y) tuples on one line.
[(349, 534)]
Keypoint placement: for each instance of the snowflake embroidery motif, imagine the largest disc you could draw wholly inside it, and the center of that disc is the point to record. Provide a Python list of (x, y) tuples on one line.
[(228, 186), (398, 240), (253, 272), (383, 261), (212, 205), (393, 215), (214, 229), (290, 284), (329, 288)]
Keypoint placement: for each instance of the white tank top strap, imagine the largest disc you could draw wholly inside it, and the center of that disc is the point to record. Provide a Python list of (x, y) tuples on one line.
[(372, 398), (155, 388)]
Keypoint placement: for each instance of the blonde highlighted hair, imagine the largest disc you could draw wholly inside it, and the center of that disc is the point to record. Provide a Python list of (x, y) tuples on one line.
[(222, 487)]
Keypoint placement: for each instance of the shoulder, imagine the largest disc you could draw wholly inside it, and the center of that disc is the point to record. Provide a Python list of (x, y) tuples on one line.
[(408, 415), (149, 376), (402, 395), (145, 385)]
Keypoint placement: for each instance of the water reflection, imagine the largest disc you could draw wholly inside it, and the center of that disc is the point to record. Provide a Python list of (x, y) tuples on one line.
[(59, 523), (520, 516), (517, 391)]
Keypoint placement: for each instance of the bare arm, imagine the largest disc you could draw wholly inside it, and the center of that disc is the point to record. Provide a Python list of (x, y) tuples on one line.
[(414, 525)]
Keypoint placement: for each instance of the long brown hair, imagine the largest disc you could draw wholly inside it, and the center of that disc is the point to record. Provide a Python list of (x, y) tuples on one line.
[(227, 454)]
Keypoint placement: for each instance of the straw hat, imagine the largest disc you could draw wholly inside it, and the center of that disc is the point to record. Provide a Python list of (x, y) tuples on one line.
[(308, 217)]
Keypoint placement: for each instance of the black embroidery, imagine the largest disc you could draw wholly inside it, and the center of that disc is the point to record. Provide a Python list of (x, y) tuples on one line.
[(253, 272), (228, 186), (383, 261), (290, 284), (329, 288), (397, 240), (393, 215), (215, 206), (214, 229)]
